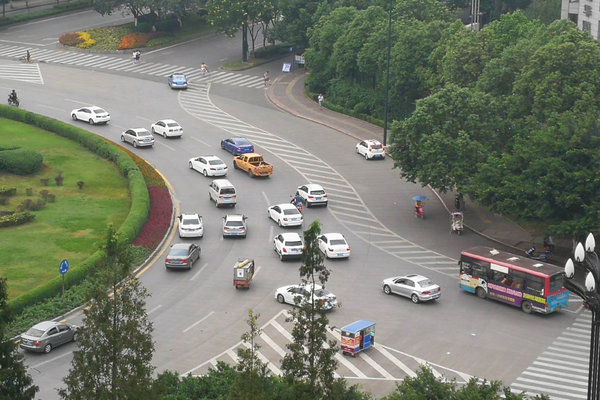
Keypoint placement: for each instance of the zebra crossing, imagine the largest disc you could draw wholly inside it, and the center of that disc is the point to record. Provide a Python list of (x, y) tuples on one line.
[(561, 371), (345, 204), (29, 73), (112, 63), (380, 362)]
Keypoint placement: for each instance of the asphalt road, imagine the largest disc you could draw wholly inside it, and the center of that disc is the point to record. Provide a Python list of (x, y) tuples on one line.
[(199, 317)]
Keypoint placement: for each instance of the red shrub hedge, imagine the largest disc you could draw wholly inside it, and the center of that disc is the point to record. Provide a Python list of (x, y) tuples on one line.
[(159, 218), (135, 40)]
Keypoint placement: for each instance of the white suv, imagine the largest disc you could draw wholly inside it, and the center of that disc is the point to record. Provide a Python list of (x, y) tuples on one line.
[(370, 149), (312, 194)]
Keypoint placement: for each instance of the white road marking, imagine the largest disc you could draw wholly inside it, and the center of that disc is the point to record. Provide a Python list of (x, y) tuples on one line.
[(198, 322), (199, 272), (36, 366), (165, 145), (154, 309)]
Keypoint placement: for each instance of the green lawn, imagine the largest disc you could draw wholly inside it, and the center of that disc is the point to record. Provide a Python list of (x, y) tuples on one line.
[(72, 226)]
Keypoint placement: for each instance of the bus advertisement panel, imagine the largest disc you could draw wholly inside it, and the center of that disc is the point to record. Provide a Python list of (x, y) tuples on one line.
[(519, 281)]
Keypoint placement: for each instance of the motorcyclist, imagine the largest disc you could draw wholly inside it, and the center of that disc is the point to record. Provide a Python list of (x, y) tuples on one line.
[(418, 207), (531, 252), (12, 97), (296, 199)]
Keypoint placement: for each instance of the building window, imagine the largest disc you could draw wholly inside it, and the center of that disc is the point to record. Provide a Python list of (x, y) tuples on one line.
[(573, 18), (586, 26)]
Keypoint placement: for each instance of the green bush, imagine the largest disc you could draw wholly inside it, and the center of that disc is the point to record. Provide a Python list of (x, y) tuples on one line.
[(7, 192), (273, 50), (144, 27), (18, 218), (149, 18), (20, 161), (167, 25)]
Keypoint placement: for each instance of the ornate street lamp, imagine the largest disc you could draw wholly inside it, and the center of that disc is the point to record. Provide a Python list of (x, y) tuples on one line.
[(583, 276)]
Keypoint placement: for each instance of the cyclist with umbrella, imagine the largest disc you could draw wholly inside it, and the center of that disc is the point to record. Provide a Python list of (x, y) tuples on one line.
[(419, 212)]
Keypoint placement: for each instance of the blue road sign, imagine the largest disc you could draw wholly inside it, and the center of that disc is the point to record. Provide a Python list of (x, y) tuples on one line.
[(64, 267)]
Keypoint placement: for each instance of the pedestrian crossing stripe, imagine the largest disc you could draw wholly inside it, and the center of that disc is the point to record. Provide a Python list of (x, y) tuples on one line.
[(29, 73), (113, 63)]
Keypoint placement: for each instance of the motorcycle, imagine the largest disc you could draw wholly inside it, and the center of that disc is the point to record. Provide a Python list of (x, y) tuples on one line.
[(538, 256), (298, 204), (419, 211), (13, 101)]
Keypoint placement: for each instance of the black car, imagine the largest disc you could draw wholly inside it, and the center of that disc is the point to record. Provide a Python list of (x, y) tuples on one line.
[(182, 255)]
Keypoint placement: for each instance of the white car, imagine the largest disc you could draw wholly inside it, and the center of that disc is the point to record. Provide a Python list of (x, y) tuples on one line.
[(300, 294), (416, 287), (235, 225), (167, 128), (285, 214), (91, 114), (334, 245), (137, 137), (370, 149), (288, 245), (190, 225), (313, 194), (209, 165)]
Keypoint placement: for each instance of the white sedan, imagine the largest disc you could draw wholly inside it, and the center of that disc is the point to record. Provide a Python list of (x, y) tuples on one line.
[(312, 194), (370, 149), (285, 214), (208, 165), (288, 245), (190, 225), (91, 114), (137, 137), (167, 128), (334, 245), (299, 294)]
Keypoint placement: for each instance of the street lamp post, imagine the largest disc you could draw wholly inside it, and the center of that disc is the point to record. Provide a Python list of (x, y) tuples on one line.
[(583, 276), (387, 77)]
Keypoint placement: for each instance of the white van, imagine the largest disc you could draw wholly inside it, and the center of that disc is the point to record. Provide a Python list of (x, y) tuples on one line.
[(222, 192)]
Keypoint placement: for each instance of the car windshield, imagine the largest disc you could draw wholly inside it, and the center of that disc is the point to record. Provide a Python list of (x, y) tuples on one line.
[(99, 111), (293, 243), (424, 282), (317, 192), (144, 133), (341, 242), (235, 223), (178, 252), (34, 332), (291, 211), (376, 146), (215, 162), (172, 125), (228, 191), (179, 77), (191, 221)]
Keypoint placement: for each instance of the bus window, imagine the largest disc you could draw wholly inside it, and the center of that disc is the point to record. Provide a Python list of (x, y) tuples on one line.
[(465, 268), (499, 277), (556, 282), (535, 284), (517, 283)]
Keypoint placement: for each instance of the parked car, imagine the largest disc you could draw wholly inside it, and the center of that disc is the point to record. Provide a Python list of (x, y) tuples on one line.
[(416, 287), (235, 225), (237, 146), (285, 214), (298, 295), (190, 225), (167, 128), (208, 165), (178, 81), (137, 137), (91, 114), (370, 149), (47, 335), (182, 255), (334, 245), (288, 245), (313, 194)]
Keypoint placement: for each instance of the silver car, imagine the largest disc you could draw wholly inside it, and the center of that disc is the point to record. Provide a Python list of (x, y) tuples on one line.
[(138, 137), (416, 287), (235, 225), (182, 255), (45, 336)]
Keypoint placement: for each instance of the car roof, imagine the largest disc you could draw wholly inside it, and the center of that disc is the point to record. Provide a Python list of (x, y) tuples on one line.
[(290, 236), (138, 129), (222, 182), (334, 236), (234, 217), (190, 215), (180, 246), (45, 325), (168, 121), (240, 139), (211, 157), (313, 186), (287, 206), (372, 141), (251, 155), (414, 277), (178, 74)]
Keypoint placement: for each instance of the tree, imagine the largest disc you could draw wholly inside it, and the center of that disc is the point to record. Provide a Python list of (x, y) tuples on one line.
[(311, 356), (15, 382), (249, 383), (114, 357)]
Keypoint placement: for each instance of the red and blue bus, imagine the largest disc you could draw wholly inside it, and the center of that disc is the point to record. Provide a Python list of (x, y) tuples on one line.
[(522, 282)]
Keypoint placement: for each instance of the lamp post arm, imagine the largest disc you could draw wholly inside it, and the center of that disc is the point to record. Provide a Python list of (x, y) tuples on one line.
[(576, 289)]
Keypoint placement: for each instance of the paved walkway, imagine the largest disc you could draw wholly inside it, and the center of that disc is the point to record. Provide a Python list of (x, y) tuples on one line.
[(287, 93)]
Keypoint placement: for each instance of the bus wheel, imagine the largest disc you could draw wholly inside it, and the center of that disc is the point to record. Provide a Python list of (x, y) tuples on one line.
[(526, 307), (481, 293)]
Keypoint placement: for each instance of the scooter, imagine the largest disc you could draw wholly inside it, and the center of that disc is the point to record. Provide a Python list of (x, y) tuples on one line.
[(13, 102), (538, 256), (297, 204), (419, 212)]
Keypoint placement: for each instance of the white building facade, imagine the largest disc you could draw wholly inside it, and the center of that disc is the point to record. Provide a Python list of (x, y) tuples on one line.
[(585, 13)]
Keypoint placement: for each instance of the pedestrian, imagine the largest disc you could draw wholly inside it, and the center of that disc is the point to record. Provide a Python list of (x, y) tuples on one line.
[(320, 98), (28, 57), (204, 69), (266, 77)]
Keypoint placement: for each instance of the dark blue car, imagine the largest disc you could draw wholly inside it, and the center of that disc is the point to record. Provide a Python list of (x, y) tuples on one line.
[(178, 81), (237, 146)]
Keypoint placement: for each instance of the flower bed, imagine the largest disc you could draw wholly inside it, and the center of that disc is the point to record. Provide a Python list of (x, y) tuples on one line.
[(159, 218), (136, 40)]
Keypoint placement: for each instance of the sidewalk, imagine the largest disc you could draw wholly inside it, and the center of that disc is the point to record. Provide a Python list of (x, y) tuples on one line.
[(287, 93)]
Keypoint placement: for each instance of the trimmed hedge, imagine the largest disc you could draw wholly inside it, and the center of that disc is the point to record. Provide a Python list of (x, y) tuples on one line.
[(21, 161), (273, 50), (18, 218), (128, 231), (167, 25)]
